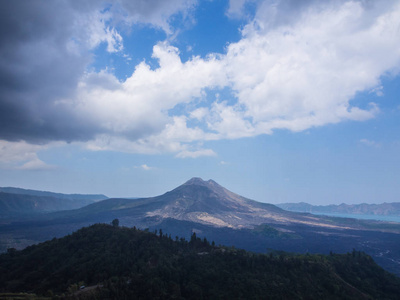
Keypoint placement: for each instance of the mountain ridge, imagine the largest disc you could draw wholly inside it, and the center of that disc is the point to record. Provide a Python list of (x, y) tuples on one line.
[(383, 209), (14, 204), (16, 201), (21, 191)]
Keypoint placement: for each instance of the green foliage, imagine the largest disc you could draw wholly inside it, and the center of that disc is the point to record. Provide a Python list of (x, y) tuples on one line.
[(120, 263)]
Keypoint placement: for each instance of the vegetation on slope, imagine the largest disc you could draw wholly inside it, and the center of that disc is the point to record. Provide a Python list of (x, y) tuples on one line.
[(126, 263)]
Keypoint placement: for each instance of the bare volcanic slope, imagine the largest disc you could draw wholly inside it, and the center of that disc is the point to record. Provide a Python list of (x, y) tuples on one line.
[(209, 203), (197, 201)]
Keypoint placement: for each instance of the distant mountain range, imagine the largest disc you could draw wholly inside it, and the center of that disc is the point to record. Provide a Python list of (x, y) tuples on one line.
[(212, 211), (17, 201), (198, 201), (201, 202), (91, 197), (384, 209)]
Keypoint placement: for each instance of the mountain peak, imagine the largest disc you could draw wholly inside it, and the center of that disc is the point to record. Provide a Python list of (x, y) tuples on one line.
[(210, 185), (209, 203), (195, 180), (201, 182)]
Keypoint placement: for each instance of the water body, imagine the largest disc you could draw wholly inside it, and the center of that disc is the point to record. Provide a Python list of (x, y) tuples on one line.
[(365, 217)]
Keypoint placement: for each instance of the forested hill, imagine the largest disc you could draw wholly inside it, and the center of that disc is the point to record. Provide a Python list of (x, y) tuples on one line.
[(122, 263)]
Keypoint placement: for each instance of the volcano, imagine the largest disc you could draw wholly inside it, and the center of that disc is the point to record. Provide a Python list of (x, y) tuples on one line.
[(203, 202)]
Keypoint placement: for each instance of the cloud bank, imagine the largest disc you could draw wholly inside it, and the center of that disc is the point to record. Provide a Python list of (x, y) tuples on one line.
[(297, 65)]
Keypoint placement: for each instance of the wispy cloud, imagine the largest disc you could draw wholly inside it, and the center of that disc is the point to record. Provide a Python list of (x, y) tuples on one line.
[(36, 165), (145, 167), (370, 143), (195, 154)]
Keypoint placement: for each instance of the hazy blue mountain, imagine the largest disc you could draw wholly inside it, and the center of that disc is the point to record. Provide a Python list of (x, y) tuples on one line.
[(16, 202), (384, 209), (13, 190)]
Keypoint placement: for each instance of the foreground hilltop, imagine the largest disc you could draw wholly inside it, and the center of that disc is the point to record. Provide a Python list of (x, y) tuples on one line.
[(123, 263)]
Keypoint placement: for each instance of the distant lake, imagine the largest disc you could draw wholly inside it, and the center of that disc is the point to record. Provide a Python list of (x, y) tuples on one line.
[(366, 217)]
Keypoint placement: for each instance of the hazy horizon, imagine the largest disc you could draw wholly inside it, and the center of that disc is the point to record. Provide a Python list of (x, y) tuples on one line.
[(277, 203)]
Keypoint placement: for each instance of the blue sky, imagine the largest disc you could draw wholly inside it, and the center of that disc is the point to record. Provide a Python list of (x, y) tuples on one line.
[(279, 101)]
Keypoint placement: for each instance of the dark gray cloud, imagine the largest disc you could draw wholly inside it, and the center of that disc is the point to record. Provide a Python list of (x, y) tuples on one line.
[(39, 66)]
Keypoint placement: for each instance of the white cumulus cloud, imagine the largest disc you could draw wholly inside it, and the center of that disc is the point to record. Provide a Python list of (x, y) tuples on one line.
[(22, 156), (294, 75)]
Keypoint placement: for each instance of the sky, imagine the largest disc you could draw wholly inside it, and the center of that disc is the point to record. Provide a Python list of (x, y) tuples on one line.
[(276, 100)]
